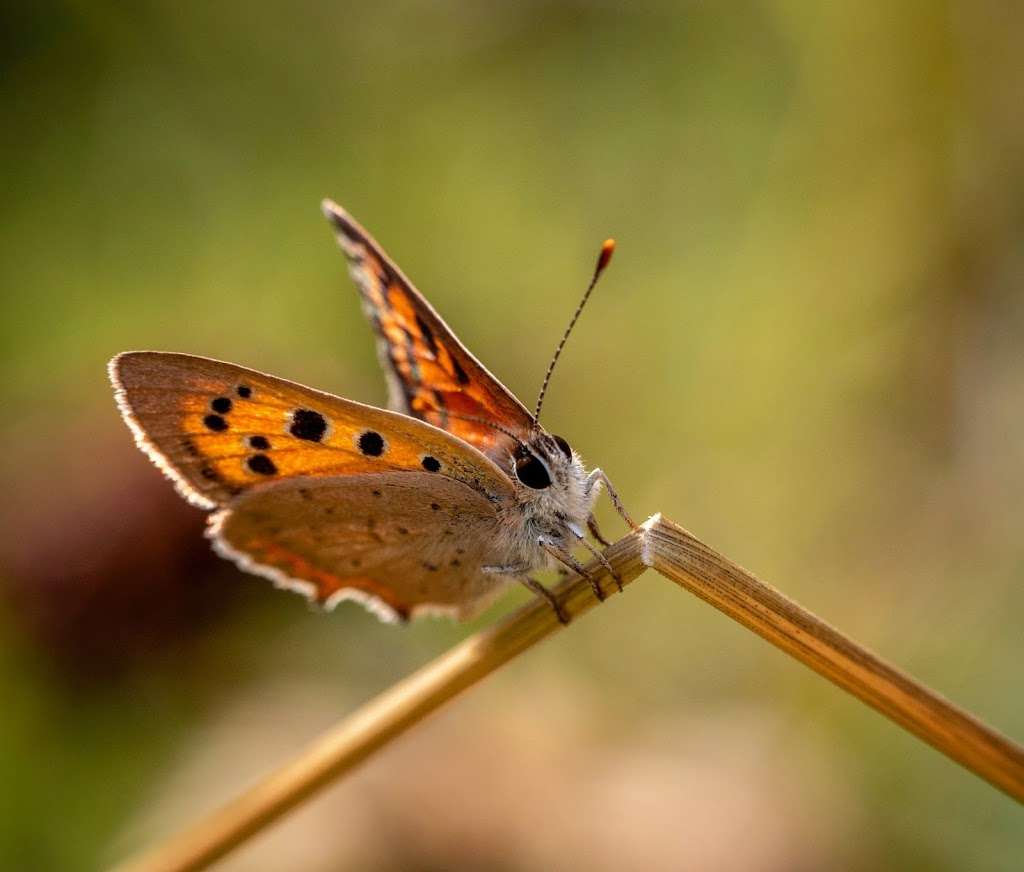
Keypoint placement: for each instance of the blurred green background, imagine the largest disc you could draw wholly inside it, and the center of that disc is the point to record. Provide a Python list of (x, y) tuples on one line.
[(807, 351)]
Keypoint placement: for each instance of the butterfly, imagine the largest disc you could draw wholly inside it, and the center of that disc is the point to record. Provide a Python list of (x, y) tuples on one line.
[(429, 507)]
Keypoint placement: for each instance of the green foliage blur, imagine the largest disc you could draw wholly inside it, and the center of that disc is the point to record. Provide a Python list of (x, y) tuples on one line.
[(808, 350)]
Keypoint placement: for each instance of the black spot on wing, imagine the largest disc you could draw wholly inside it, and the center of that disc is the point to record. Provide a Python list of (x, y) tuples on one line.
[(307, 424), (371, 443), (222, 405), (260, 443), (431, 464), (261, 464), (244, 391), (215, 423)]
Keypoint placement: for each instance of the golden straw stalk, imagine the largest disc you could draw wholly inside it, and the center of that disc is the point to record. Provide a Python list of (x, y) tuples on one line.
[(686, 560), (381, 720), (676, 554)]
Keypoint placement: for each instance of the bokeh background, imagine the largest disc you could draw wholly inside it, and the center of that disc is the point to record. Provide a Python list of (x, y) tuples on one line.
[(808, 351)]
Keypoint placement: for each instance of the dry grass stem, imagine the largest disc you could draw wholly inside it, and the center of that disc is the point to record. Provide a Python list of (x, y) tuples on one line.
[(681, 557), (674, 553), (381, 720)]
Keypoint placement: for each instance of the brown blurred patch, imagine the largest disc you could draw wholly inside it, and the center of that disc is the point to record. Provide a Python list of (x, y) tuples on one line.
[(105, 567)]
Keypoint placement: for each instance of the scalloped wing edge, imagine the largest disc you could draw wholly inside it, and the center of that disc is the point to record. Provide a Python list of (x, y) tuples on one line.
[(146, 446), (373, 604)]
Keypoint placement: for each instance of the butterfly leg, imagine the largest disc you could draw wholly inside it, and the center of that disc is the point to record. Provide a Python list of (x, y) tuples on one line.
[(595, 531), (597, 477), (542, 591), (601, 558), (561, 554), (521, 573)]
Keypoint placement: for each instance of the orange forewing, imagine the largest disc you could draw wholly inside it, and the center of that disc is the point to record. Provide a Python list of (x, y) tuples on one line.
[(219, 429), (431, 374)]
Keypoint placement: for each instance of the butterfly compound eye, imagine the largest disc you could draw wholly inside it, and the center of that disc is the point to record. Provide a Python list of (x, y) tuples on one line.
[(563, 446), (531, 472)]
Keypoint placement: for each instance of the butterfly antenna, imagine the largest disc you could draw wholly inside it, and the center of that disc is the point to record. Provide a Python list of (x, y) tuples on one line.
[(607, 248)]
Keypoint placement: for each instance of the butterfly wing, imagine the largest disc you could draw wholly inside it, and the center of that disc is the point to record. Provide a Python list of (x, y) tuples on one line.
[(218, 430), (403, 544), (430, 373)]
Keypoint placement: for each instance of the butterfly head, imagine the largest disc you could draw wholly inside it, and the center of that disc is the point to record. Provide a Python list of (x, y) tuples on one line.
[(551, 479)]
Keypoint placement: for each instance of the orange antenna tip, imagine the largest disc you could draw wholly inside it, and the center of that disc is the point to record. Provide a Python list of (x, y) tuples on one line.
[(603, 259)]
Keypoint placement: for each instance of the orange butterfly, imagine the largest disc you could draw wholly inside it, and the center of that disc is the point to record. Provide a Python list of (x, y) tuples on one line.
[(429, 508)]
